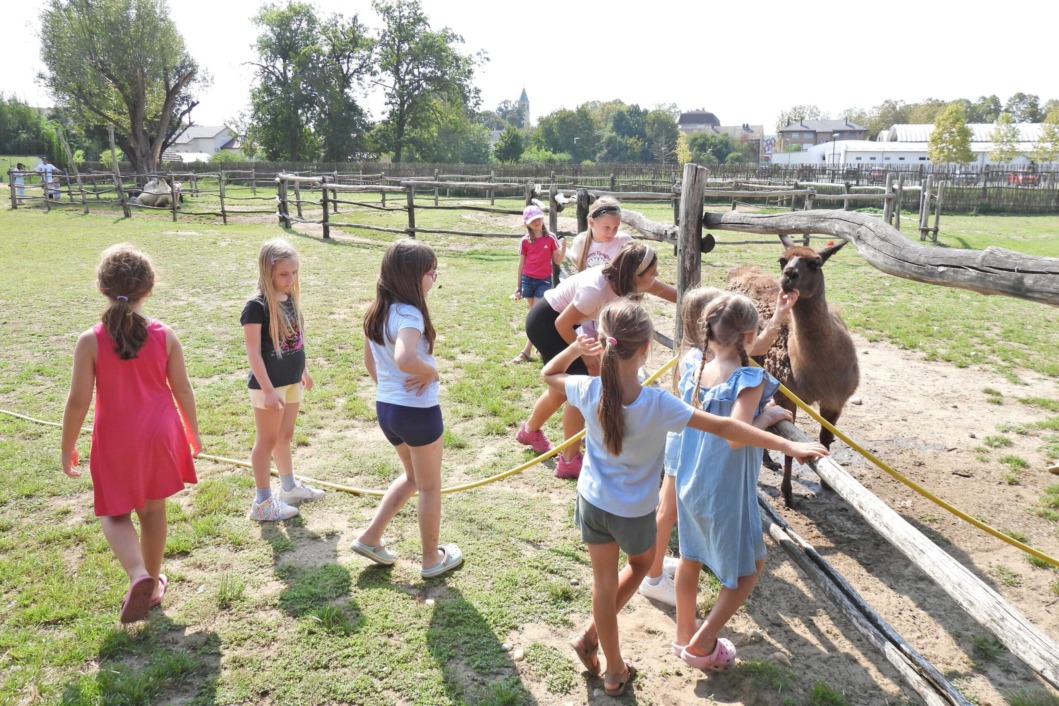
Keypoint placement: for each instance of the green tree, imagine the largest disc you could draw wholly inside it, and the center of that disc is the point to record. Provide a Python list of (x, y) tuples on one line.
[(511, 145), (573, 132), (926, 111), (419, 70), (1005, 138), (1024, 107), (1046, 149), (120, 62), (708, 148), (984, 110), (21, 128), (683, 150), (662, 132), (309, 71), (950, 141), (797, 113)]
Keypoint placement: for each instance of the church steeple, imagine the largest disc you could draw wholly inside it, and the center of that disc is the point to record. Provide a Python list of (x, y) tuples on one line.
[(524, 109)]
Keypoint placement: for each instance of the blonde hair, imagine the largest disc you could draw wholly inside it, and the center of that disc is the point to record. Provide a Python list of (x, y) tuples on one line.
[(726, 320), (603, 206), (691, 307), (281, 328), (124, 277), (624, 327)]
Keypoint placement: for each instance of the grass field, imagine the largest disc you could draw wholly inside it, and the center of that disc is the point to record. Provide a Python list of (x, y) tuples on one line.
[(285, 613)]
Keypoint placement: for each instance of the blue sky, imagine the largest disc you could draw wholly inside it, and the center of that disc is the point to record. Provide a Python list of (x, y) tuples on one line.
[(745, 62)]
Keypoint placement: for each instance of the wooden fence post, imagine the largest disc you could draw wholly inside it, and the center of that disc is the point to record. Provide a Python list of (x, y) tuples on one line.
[(613, 181), (900, 200), (436, 190), (582, 211), (221, 178), (298, 198), (325, 219), (492, 194), (845, 190), (281, 201), (689, 238), (810, 201), (411, 211), (937, 211), (253, 182), (73, 168), (117, 174), (888, 203), (675, 197), (174, 199), (924, 205), (11, 184)]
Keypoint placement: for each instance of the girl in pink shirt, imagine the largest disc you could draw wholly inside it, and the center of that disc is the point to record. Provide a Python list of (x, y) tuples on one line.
[(538, 250)]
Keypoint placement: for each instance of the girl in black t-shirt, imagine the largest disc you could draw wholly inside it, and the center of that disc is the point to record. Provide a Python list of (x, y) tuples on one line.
[(272, 330)]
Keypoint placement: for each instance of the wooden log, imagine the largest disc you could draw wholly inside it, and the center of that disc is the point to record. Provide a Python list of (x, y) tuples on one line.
[(296, 179), (633, 195), (918, 673), (989, 271), (472, 185), (73, 168), (117, 174), (325, 218), (652, 230), (1011, 628), (221, 179), (281, 197), (411, 197), (582, 210), (689, 239)]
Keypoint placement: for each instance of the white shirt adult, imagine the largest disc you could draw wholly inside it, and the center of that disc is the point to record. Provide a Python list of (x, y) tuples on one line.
[(391, 379), (47, 172)]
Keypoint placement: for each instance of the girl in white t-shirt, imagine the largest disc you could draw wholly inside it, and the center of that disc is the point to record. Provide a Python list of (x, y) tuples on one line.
[(552, 325), (399, 355), (617, 491), (602, 242)]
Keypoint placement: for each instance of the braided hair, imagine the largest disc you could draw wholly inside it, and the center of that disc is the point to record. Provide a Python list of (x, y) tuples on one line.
[(726, 320)]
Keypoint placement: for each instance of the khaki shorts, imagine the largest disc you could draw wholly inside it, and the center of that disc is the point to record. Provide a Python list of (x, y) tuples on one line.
[(288, 394)]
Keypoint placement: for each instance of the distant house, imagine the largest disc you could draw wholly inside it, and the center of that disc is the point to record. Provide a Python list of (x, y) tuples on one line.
[(200, 142), (815, 132), (697, 121)]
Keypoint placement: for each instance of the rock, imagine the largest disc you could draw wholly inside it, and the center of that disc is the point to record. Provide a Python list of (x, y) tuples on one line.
[(1054, 469), (575, 582), (856, 400), (429, 601), (506, 647), (518, 655), (780, 658)]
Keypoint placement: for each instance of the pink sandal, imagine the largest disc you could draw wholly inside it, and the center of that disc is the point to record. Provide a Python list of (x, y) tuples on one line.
[(720, 660), (163, 583), (138, 600)]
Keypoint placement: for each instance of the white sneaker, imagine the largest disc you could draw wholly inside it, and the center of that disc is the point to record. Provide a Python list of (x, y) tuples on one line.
[(664, 591), (271, 510), (669, 565), (300, 493)]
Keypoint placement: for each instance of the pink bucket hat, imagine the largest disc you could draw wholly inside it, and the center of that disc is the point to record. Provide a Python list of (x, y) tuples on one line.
[(531, 213)]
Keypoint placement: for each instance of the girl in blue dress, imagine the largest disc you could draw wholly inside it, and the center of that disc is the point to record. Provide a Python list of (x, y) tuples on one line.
[(716, 483)]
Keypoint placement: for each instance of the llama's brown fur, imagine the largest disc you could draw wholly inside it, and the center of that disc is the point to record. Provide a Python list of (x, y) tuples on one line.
[(813, 356)]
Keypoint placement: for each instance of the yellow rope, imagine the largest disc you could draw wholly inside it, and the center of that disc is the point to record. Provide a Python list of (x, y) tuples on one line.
[(913, 485), (378, 493)]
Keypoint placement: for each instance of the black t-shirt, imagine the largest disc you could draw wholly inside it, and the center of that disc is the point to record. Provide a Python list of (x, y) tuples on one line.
[(285, 370)]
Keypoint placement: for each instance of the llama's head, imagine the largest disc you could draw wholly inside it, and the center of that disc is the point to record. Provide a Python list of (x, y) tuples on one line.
[(802, 268)]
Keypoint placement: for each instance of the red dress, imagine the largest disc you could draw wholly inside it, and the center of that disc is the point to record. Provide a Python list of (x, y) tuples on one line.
[(139, 450)]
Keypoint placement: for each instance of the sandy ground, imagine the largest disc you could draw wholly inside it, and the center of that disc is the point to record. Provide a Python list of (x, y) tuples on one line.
[(926, 420)]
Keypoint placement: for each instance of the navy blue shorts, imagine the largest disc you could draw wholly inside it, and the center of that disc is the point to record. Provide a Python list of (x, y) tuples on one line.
[(415, 426), (534, 288)]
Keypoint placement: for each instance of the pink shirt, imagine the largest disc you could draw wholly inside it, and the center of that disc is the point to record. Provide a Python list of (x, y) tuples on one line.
[(538, 255)]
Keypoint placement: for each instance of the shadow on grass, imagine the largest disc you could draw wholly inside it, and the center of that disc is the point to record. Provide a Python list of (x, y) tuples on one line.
[(143, 665)]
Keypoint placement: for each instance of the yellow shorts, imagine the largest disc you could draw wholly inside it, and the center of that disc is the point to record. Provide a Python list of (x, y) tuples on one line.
[(288, 394)]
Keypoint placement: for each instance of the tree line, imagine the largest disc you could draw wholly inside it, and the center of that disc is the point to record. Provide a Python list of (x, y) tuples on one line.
[(314, 74)]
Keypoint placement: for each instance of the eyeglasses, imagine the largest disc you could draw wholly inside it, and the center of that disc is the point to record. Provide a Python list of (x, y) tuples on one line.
[(433, 274)]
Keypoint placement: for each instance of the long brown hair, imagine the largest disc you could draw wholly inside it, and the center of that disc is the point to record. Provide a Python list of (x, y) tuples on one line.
[(624, 327), (124, 277), (632, 260), (726, 320), (691, 307), (603, 206), (280, 328), (404, 265)]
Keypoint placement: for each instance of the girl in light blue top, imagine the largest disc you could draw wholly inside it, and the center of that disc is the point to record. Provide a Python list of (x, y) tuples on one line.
[(399, 355), (626, 427), (716, 482)]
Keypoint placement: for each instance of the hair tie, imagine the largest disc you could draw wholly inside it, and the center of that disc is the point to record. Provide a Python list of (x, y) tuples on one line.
[(648, 258), (611, 341), (122, 298), (272, 261)]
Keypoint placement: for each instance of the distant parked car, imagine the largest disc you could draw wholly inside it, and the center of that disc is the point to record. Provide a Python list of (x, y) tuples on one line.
[(965, 176), (1024, 178), (877, 176)]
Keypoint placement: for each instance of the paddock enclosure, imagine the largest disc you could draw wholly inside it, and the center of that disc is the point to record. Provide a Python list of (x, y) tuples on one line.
[(699, 202)]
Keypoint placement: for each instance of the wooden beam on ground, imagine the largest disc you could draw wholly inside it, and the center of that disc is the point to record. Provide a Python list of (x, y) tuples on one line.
[(921, 675), (1011, 628), (989, 271)]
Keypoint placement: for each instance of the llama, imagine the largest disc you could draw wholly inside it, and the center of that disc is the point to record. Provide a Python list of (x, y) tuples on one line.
[(813, 356)]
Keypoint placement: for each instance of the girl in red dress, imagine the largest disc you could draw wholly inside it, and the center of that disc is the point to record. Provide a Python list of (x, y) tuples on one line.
[(142, 443)]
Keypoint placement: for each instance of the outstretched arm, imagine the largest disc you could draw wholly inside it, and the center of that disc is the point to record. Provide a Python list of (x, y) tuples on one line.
[(785, 301), (742, 433), (82, 383)]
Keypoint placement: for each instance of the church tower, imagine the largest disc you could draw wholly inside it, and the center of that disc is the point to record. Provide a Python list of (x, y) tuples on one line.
[(524, 110)]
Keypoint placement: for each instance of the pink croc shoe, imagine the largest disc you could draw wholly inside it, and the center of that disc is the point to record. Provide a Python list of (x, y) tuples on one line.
[(720, 660)]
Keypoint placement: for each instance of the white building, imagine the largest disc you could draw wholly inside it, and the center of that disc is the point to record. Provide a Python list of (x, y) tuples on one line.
[(907, 144), (200, 142)]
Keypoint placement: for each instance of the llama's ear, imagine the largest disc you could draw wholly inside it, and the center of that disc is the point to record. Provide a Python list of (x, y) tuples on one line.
[(787, 242), (783, 263), (831, 250)]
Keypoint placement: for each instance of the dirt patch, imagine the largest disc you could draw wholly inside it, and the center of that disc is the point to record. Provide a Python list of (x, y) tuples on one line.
[(929, 421)]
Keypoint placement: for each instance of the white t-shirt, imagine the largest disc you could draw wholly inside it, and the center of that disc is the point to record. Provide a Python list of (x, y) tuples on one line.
[(391, 379), (598, 253), (625, 485), (589, 291), (46, 171)]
